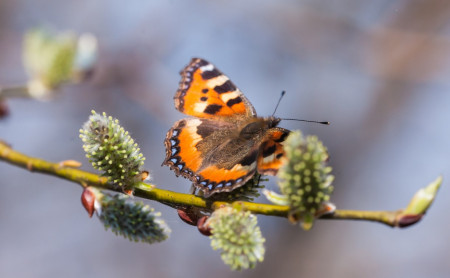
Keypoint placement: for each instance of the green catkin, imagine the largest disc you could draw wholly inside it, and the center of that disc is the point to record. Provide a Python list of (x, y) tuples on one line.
[(237, 234), (112, 151), (304, 177), (132, 219)]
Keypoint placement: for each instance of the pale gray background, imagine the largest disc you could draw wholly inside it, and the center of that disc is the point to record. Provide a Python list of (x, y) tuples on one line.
[(378, 70)]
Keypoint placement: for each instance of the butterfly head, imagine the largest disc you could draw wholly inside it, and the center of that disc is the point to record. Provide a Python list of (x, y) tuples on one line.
[(272, 121)]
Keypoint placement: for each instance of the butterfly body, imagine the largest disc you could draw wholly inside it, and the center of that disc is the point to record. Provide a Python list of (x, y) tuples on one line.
[(225, 143)]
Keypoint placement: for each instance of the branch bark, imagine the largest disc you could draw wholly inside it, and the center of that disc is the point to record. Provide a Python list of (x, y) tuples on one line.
[(175, 199)]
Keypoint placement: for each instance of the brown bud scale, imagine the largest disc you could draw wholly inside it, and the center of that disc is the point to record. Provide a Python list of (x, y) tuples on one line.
[(88, 201)]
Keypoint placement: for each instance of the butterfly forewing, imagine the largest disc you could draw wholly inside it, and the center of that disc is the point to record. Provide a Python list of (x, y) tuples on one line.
[(206, 92)]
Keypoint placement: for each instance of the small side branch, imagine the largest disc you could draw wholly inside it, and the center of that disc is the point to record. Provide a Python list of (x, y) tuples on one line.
[(14, 92)]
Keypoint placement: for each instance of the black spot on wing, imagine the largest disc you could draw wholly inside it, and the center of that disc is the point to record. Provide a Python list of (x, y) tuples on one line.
[(205, 90), (212, 109), (279, 155), (201, 62), (269, 151), (204, 130), (249, 158), (225, 87), (210, 74), (203, 98), (282, 138), (234, 101)]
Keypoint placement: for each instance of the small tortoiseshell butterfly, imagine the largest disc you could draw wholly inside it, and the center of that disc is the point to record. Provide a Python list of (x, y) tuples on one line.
[(225, 143)]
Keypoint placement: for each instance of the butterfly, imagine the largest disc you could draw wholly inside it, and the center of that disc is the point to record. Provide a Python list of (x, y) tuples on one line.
[(225, 143)]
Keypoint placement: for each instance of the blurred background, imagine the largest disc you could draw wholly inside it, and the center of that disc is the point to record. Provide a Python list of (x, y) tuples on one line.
[(377, 70)]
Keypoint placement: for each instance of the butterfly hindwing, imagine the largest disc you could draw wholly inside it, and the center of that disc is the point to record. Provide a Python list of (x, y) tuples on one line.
[(272, 152), (194, 150), (206, 92), (181, 154)]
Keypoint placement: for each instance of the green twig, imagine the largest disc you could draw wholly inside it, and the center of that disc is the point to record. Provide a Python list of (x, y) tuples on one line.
[(14, 92), (174, 199)]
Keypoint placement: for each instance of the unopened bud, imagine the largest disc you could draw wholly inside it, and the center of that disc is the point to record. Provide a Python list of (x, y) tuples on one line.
[(88, 200), (188, 216), (202, 226)]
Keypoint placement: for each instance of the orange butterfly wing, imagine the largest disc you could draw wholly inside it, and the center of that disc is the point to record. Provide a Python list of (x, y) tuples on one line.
[(186, 157), (272, 152), (206, 92)]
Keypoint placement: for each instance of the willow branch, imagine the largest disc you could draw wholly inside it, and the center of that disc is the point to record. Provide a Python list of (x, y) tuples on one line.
[(174, 199), (14, 92)]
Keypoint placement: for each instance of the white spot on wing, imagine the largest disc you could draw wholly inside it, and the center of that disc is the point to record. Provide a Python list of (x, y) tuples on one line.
[(208, 67), (194, 122), (227, 96), (239, 167), (269, 158), (200, 107), (192, 130), (217, 81)]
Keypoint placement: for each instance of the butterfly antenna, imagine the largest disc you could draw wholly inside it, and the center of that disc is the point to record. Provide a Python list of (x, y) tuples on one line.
[(308, 121), (281, 96), (299, 120)]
